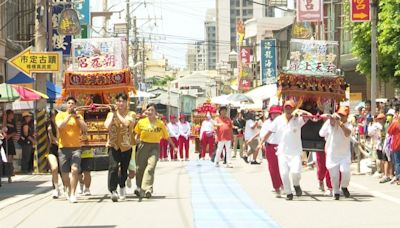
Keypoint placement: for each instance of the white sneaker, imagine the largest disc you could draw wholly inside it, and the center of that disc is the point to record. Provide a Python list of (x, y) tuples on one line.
[(229, 165), (114, 196), (328, 192), (278, 193), (217, 164), (87, 192), (129, 182), (56, 193), (73, 199), (80, 190), (122, 194)]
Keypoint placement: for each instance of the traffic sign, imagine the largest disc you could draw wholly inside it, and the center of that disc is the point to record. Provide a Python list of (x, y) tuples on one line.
[(36, 62), (360, 10)]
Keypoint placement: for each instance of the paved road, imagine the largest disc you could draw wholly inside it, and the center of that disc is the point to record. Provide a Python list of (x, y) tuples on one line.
[(197, 194)]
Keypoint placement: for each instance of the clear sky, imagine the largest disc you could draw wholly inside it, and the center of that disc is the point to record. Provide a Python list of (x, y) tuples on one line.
[(173, 24)]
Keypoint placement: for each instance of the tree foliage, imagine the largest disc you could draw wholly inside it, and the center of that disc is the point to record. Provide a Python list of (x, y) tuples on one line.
[(388, 41)]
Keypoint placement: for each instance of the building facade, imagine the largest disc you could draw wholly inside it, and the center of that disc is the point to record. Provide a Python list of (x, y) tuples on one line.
[(196, 56), (210, 28)]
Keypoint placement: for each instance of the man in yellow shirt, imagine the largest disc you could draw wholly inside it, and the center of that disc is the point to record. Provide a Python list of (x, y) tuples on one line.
[(149, 131), (119, 123), (70, 127)]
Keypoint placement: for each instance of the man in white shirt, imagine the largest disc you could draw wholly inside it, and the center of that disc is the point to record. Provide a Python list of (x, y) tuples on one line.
[(173, 130), (250, 136), (207, 136), (287, 128), (337, 132), (184, 133)]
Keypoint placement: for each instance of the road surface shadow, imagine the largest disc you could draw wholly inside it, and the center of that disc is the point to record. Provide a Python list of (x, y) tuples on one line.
[(97, 226), (106, 197), (321, 197), (9, 190)]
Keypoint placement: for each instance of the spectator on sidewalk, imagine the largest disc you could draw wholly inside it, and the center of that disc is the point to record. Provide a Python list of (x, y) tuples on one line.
[(394, 131), (10, 133), (27, 142), (376, 132), (70, 127), (238, 129)]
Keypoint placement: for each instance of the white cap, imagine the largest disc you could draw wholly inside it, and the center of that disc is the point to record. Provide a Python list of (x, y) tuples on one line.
[(391, 112)]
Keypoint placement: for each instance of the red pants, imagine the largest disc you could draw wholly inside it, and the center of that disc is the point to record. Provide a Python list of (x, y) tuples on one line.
[(171, 151), (207, 140), (322, 171), (163, 148), (183, 142), (273, 166)]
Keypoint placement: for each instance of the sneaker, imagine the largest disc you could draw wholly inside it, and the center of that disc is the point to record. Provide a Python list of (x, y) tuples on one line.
[(385, 180), (80, 190), (217, 164), (393, 180), (114, 196), (148, 194), (122, 194), (346, 192), (337, 196), (245, 159), (56, 193), (87, 192), (129, 182), (229, 165), (137, 192), (328, 192), (73, 199), (255, 163), (298, 190), (289, 197), (278, 193), (9, 180), (321, 186)]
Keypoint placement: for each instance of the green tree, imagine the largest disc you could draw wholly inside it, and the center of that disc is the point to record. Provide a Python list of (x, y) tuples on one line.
[(388, 41)]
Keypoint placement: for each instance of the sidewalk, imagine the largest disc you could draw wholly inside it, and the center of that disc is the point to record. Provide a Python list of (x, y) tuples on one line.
[(23, 187)]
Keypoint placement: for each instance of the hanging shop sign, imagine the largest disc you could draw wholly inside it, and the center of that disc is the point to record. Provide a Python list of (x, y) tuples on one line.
[(69, 23), (317, 57), (309, 10), (360, 10), (97, 54), (60, 42), (268, 62)]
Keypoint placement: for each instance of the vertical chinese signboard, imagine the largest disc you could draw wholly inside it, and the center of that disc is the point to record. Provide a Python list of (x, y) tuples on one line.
[(360, 10), (245, 74), (268, 62), (316, 57), (309, 10), (60, 42), (97, 54)]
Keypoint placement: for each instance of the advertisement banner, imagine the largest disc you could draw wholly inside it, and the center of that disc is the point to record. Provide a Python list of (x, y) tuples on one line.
[(245, 55), (268, 62), (97, 54), (60, 42), (360, 10), (316, 57), (309, 10)]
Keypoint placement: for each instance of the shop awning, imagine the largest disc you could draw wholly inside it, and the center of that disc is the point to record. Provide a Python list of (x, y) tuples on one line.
[(52, 90), (20, 78)]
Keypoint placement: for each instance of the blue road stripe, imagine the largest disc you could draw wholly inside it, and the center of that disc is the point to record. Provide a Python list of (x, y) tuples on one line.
[(218, 200)]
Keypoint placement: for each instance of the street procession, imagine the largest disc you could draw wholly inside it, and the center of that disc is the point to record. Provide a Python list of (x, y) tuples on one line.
[(199, 113)]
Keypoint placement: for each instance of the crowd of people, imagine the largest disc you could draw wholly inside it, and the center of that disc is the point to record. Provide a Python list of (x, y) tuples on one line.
[(136, 143)]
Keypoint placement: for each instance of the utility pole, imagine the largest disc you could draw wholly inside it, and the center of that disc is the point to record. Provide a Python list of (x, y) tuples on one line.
[(41, 37), (374, 5)]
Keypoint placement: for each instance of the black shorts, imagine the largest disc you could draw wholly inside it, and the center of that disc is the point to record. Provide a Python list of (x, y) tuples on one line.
[(87, 165), (381, 155), (9, 147), (54, 150)]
